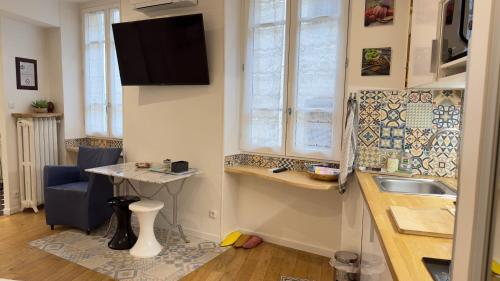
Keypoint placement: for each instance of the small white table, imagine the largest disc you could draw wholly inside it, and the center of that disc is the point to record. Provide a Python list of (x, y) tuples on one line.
[(128, 172)]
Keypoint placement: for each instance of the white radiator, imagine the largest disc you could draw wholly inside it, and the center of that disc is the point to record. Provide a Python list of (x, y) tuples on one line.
[(37, 147)]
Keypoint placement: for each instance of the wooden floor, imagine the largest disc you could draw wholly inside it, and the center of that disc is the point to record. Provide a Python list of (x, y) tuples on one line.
[(19, 261)]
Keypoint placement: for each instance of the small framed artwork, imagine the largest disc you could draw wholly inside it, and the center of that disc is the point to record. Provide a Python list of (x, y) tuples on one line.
[(26, 74), (379, 12), (376, 61)]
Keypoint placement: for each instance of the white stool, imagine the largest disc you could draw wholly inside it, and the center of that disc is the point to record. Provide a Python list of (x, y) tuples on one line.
[(146, 245)]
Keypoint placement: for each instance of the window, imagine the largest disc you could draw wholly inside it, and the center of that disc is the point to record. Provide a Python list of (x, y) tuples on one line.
[(294, 77), (103, 90)]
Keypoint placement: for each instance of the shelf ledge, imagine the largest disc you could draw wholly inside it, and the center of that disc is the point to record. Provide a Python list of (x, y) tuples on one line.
[(36, 115), (297, 179)]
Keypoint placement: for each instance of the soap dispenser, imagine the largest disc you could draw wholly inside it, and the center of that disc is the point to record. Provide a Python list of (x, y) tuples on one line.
[(392, 162)]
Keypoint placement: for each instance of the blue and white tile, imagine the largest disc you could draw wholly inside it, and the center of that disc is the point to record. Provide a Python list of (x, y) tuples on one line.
[(420, 96), (419, 115), (368, 136), (446, 117), (369, 115), (446, 143), (421, 163), (394, 97), (369, 157), (447, 97), (416, 140), (371, 96), (393, 115), (443, 164), (392, 137)]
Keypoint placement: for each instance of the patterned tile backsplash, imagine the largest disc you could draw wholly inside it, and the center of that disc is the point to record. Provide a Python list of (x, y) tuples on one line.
[(396, 121)]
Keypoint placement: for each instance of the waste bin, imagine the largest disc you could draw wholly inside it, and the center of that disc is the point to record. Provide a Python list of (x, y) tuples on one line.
[(346, 266)]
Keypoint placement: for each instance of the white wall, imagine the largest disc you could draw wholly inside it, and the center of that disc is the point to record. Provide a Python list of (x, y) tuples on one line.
[(20, 39), (395, 36), (184, 122), (305, 219), (478, 144), (72, 70), (232, 98)]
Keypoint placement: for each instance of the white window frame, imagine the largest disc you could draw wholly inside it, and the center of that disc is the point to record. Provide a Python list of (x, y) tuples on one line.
[(290, 83), (106, 8)]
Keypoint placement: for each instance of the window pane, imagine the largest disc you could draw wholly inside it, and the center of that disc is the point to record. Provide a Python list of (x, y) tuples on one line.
[(115, 83), (316, 78), (269, 11), (95, 73), (265, 75)]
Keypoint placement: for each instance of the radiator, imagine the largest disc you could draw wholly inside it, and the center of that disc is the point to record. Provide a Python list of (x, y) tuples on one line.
[(37, 147)]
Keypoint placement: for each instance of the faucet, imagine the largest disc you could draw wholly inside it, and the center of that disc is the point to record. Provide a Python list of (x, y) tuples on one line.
[(440, 132)]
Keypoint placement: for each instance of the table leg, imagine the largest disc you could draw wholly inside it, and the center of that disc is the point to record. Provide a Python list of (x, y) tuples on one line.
[(175, 207), (115, 185)]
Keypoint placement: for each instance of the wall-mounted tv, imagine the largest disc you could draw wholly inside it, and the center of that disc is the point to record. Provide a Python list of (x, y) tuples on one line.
[(165, 51)]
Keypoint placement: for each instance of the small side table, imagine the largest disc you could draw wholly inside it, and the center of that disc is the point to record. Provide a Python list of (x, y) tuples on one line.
[(124, 237)]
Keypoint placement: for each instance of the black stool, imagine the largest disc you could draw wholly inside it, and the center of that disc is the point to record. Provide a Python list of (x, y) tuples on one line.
[(124, 237)]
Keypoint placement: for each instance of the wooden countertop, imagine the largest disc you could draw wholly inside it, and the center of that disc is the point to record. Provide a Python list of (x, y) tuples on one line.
[(36, 115), (404, 252), (297, 179)]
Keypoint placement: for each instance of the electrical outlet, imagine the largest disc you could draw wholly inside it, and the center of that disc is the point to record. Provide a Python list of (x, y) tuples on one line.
[(212, 214)]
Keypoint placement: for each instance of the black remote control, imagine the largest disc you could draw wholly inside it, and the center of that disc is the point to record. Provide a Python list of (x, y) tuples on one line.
[(279, 170)]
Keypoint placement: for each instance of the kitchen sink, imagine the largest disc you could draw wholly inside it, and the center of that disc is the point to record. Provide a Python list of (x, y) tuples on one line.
[(413, 186)]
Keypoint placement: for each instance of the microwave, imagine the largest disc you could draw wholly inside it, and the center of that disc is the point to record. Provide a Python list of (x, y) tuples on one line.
[(456, 28)]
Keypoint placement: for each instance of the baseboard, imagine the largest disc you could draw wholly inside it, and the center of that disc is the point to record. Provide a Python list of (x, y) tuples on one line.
[(293, 244), (208, 236), (11, 211)]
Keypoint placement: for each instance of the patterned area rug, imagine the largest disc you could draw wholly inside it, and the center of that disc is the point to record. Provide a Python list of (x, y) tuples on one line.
[(176, 260)]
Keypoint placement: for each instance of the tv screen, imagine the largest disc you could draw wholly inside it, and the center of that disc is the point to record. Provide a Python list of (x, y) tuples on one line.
[(165, 51)]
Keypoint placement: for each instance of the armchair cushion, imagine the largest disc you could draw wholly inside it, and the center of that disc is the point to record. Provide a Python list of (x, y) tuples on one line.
[(92, 157), (58, 175)]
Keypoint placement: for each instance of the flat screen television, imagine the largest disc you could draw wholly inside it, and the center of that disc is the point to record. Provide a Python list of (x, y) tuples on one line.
[(165, 51)]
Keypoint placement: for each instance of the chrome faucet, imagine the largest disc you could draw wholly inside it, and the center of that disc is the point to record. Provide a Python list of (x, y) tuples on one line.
[(440, 132)]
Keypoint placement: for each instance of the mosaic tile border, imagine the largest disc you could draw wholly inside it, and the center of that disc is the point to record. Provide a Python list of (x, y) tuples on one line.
[(243, 159), (94, 142)]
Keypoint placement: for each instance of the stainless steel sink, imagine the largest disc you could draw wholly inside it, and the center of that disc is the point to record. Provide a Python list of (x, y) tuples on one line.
[(413, 186)]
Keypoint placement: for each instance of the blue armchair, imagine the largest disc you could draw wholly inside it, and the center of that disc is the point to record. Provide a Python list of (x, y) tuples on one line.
[(76, 198)]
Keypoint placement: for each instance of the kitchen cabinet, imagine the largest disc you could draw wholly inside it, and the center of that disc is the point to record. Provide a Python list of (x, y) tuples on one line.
[(373, 263), (426, 68), (424, 30)]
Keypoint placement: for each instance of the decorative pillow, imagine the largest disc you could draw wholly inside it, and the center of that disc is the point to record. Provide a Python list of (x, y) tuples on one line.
[(242, 240), (253, 242), (230, 239)]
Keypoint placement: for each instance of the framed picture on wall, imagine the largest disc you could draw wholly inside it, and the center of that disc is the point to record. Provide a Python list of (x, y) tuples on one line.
[(379, 12), (376, 61), (26, 74)]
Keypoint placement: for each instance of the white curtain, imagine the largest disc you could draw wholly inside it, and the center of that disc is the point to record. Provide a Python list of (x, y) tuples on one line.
[(103, 89), (263, 111), (319, 79), (95, 72)]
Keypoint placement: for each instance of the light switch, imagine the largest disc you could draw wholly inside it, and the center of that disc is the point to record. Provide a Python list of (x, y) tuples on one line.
[(12, 105)]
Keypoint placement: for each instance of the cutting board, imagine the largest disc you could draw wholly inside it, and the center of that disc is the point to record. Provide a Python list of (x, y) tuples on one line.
[(425, 222)]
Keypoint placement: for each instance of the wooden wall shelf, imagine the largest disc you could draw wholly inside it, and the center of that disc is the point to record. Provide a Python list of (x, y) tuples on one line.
[(36, 115), (297, 179)]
